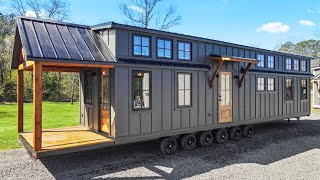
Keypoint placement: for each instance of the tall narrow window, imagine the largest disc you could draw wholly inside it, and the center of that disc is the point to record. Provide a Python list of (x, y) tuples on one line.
[(296, 65), (141, 83), (88, 87), (184, 51), (303, 65), (303, 89), (261, 60), (141, 45), (271, 84), (260, 84), (184, 89), (271, 62), (288, 64), (289, 89), (164, 48)]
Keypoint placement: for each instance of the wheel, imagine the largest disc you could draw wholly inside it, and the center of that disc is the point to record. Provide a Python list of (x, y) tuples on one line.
[(247, 131), (168, 145), (235, 133), (221, 136), (206, 139), (188, 142)]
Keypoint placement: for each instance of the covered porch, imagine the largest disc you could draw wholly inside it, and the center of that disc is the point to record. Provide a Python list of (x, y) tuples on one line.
[(41, 47)]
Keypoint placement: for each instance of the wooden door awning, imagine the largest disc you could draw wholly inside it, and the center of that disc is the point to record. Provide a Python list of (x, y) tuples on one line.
[(221, 59)]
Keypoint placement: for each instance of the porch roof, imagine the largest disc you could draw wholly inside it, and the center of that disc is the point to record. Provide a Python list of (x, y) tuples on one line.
[(45, 40)]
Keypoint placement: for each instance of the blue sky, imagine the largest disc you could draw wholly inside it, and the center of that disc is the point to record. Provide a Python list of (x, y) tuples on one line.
[(261, 23)]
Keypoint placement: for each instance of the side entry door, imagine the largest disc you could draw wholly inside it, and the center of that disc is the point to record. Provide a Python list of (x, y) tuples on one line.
[(225, 97)]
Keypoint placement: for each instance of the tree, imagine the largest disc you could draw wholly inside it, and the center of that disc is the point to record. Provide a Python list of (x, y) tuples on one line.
[(50, 9), (150, 14), (310, 48)]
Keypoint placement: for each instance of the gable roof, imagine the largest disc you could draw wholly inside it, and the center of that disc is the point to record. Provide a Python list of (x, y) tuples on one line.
[(45, 40)]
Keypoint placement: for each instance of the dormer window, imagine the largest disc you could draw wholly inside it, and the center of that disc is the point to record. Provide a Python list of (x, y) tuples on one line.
[(141, 45), (164, 48), (184, 50)]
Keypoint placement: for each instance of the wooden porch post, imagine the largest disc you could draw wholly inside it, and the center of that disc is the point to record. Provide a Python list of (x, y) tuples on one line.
[(20, 100), (37, 106)]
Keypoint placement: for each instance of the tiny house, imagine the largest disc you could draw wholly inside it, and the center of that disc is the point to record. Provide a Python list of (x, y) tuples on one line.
[(316, 87), (140, 84)]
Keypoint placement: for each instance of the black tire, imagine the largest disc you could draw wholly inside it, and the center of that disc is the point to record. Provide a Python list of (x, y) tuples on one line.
[(188, 142), (221, 136), (235, 133), (247, 131), (168, 145), (206, 139)]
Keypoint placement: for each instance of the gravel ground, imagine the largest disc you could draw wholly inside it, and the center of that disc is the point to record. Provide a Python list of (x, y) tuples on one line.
[(279, 150)]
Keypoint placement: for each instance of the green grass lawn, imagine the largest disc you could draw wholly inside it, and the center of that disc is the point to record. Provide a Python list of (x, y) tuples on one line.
[(55, 114)]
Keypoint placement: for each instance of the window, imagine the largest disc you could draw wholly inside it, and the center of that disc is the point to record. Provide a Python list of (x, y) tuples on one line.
[(88, 87), (184, 89), (288, 64), (271, 84), (289, 89), (141, 45), (296, 65), (184, 50), (260, 84), (164, 48), (261, 60), (303, 89), (303, 65), (271, 62), (141, 83)]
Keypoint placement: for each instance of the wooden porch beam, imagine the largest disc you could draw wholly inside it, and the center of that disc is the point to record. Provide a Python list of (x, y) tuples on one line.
[(216, 72), (20, 100), (63, 69), (37, 106), (244, 74), (26, 65), (79, 65)]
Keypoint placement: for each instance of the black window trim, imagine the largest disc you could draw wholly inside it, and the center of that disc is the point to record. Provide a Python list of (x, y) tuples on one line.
[(177, 89), (180, 41), (285, 63), (304, 79), (298, 65), (285, 89), (305, 67), (150, 90), (264, 60), (264, 84), (150, 45), (274, 62), (165, 39)]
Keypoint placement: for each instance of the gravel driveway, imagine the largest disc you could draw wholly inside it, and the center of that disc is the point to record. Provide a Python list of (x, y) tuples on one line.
[(279, 150)]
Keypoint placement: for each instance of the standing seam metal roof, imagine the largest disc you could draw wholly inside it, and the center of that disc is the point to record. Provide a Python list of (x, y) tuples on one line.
[(54, 40)]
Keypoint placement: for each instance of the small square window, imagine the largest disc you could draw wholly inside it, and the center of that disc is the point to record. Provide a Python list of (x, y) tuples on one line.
[(164, 48), (141, 45)]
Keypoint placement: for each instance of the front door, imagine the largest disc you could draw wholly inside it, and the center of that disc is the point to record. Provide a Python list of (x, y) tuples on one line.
[(225, 97), (105, 102)]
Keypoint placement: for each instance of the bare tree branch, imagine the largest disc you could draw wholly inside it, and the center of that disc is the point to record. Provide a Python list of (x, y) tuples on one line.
[(19, 6), (148, 13)]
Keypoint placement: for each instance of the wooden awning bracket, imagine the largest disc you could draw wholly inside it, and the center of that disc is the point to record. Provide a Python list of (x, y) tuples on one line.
[(244, 74), (216, 71)]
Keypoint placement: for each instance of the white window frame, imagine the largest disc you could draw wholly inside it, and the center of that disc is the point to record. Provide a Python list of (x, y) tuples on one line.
[(261, 84), (271, 84)]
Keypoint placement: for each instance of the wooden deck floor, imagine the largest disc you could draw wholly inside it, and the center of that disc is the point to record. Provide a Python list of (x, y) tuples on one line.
[(66, 138)]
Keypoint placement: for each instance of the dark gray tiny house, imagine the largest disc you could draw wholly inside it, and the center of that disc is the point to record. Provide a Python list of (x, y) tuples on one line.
[(171, 86)]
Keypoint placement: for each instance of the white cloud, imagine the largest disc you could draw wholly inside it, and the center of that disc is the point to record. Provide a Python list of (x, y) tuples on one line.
[(307, 23), (136, 8), (274, 27), (33, 14)]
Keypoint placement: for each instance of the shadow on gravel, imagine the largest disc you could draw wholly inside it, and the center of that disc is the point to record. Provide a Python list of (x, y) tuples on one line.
[(272, 142)]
